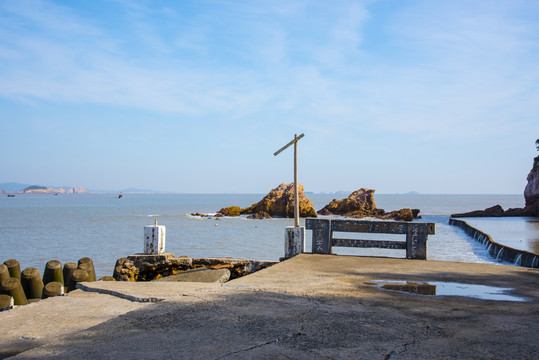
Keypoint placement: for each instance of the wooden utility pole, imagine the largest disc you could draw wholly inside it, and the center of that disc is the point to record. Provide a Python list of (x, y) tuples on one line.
[(296, 198)]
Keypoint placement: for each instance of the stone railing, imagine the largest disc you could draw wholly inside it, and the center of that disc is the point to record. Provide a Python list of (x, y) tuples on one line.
[(415, 243)]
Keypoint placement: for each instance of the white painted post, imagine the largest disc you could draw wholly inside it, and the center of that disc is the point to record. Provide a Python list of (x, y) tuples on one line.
[(294, 243), (154, 239)]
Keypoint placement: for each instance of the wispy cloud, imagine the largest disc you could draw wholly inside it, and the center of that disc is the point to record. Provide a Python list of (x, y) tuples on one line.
[(447, 70)]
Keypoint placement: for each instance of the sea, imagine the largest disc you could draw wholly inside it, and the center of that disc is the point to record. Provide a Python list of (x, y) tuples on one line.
[(36, 228)]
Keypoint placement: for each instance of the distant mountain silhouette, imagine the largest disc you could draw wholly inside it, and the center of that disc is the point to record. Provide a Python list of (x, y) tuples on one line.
[(13, 187)]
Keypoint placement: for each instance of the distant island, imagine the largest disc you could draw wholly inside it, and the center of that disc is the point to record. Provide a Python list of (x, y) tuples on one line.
[(18, 188), (38, 189)]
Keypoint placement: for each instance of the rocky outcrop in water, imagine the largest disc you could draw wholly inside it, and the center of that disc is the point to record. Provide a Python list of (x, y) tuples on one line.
[(280, 203), (361, 204)]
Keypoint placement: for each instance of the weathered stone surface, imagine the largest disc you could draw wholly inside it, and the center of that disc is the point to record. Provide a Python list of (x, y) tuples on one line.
[(204, 275), (153, 267), (143, 267), (361, 204), (280, 203)]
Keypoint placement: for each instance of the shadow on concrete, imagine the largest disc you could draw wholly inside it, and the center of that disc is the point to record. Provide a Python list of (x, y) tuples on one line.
[(266, 324)]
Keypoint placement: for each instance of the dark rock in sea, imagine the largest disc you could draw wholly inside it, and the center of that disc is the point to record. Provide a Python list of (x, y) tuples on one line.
[(280, 203), (496, 211), (360, 204)]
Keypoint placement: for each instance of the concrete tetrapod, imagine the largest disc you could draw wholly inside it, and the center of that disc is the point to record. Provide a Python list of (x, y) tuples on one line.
[(4, 273), (77, 276), (6, 302), (69, 267), (53, 288), (14, 268), (90, 269), (53, 272), (14, 288), (31, 283)]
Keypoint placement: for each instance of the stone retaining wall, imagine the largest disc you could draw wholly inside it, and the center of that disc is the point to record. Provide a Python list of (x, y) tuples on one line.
[(496, 250)]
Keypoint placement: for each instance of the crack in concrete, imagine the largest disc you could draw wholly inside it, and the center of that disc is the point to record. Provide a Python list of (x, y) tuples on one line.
[(404, 347), (279, 339)]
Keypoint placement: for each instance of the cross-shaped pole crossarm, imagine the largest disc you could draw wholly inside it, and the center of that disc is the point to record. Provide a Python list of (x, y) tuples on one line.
[(287, 145)]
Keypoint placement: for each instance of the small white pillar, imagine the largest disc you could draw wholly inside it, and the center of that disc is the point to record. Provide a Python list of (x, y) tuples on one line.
[(294, 241), (154, 239)]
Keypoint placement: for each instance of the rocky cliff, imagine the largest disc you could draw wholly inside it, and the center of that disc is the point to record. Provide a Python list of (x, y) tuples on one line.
[(531, 192)]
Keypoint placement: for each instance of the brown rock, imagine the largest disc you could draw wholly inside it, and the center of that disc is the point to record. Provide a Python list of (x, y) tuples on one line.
[(400, 215), (280, 203), (230, 211), (360, 203), (259, 216)]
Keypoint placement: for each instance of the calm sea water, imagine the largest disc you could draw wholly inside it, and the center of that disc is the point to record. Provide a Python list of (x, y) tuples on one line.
[(38, 228)]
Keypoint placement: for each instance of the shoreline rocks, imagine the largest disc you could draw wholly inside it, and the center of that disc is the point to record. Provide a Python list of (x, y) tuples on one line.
[(531, 197), (497, 211)]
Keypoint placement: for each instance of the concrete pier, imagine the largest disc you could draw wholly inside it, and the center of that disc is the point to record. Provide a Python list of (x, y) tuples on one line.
[(307, 307)]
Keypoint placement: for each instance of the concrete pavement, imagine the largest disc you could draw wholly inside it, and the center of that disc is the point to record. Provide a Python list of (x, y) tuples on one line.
[(311, 306)]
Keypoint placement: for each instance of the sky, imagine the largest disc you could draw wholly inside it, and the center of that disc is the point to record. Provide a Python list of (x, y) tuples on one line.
[(438, 97)]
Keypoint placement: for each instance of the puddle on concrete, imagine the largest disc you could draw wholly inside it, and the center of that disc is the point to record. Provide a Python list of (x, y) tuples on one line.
[(442, 288)]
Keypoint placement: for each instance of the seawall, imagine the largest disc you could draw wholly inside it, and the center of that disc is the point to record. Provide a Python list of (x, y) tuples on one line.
[(497, 250)]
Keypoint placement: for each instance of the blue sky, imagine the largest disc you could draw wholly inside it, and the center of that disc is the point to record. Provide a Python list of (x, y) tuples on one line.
[(196, 96)]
